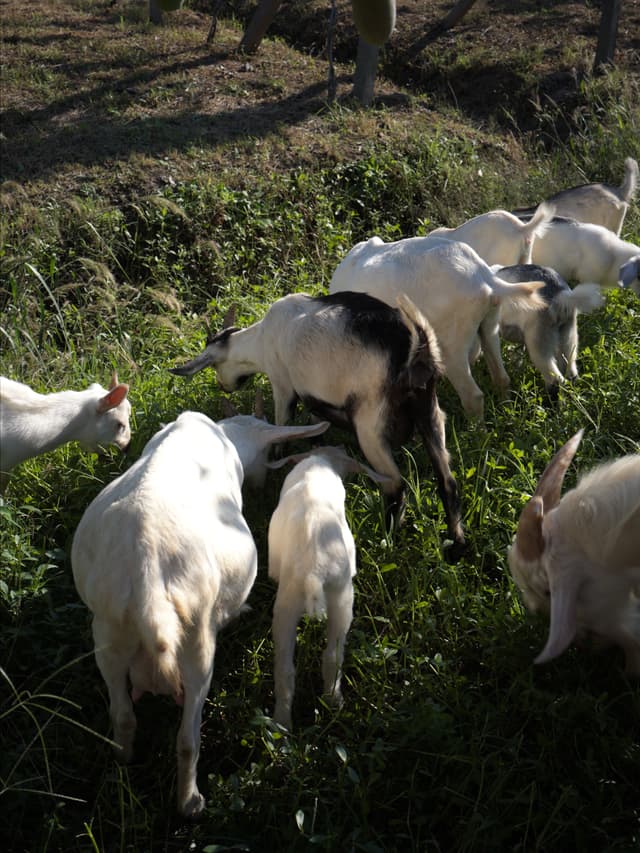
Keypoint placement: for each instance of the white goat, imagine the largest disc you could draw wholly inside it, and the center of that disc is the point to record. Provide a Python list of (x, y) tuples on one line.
[(498, 236), (358, 363), (550, 335), (588, 253), (312, 558), (598, 204), (454, 288), (163, 558), (32, 423), (579, 557)]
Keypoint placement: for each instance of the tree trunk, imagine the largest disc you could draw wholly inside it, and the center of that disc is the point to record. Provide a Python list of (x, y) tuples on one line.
[(155, 13), (258, 25), (607, 34), (459, 11), (365, 76)]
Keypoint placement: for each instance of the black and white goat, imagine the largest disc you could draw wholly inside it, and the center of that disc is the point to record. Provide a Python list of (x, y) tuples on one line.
[(354, 361), (550, 335)]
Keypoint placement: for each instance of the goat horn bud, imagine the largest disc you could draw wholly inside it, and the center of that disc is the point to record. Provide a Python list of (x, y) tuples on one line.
[(230, 317)]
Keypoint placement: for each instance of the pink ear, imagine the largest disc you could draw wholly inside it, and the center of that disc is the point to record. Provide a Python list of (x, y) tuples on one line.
[(112, 399)]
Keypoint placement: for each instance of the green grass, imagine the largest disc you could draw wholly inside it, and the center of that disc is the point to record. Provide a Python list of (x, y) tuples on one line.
[(450, 738)]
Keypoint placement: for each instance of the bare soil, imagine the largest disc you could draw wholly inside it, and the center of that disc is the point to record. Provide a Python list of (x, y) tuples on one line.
[(93, 96)]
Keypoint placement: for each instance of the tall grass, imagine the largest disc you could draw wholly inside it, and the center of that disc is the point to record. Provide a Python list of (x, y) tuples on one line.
[(450, 739)]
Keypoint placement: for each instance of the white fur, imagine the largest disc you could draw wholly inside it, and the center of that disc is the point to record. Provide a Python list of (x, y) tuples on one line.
[(598, 204), (498, 236), (581, 252), (588, 571), (452, 286), (312, 557), (32, 423), (163, 558)]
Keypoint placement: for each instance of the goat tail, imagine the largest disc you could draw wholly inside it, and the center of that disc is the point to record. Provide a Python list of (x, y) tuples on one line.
[(160, 627), (521, 295), (424, 339), (315, 599), (538, 223), (630, 183), (584, 298)]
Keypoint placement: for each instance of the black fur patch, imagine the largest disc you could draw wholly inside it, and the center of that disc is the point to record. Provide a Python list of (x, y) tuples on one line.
[(553, 283), (375, 323)]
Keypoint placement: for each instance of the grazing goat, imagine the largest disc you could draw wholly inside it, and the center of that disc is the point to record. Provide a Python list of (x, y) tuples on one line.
[(598, 204), (454, 288), (163, 558), (312, 557), (550, 335), (356, 362), (498, 237), (588, 253), (32, 423), (579, 557)]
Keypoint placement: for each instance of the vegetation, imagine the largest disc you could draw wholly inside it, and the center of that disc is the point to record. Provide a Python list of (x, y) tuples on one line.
[(450, 739)]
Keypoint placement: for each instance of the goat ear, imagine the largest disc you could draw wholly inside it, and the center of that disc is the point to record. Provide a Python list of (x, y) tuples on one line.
[(228, 409), (529, 538), (629, 272), (360, 468), (563, 624), (112, 398), (278, 434), (205, 359), (230, 317), (114, 380), (293, 459), (550, 484)]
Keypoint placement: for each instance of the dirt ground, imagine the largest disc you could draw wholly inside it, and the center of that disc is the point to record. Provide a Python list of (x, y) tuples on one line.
[(90, 91)]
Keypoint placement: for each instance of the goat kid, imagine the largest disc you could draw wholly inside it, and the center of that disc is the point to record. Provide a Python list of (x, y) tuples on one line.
[(312, 558), (550, 335), (579, 557), (498, 236), (356, 362), (163, 558), (452, 286), (597, 204), (32, 423)]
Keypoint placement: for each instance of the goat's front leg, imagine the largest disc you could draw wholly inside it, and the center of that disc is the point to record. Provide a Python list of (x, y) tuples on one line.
[(284, 403), (369, 427), (490, 340)]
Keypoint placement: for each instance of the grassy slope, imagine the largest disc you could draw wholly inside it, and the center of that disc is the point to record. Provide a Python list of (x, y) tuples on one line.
[(117, 244)]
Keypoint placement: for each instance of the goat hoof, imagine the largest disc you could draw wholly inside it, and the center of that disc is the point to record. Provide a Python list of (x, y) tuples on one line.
[(454, 552)]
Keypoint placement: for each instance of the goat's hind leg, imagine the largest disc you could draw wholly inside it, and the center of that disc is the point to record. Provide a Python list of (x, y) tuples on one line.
[(196, 669), (430, 421), (339, 616), (114, 651)]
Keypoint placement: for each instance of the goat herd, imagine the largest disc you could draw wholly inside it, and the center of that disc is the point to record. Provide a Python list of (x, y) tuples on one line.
[(163, 556)]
